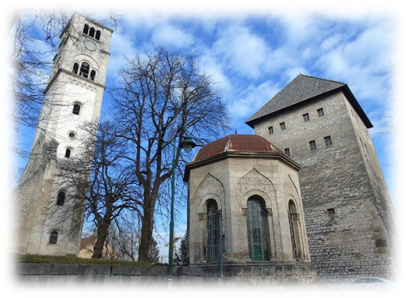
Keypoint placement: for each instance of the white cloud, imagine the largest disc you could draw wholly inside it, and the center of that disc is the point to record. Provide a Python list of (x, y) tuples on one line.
[(241, 51), (171, 36)]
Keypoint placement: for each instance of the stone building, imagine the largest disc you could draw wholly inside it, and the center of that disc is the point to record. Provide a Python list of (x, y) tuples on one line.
[(44, 223), (348, 211), (245, 199)]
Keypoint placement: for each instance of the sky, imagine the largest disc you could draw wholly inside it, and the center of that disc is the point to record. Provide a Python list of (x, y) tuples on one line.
[(252, 56), (253, 49)]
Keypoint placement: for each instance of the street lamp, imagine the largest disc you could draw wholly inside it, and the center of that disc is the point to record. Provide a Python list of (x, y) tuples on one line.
[(187, 144)]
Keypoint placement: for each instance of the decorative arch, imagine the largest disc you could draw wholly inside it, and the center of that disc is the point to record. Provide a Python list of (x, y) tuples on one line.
[(210, 188), (254, 183)]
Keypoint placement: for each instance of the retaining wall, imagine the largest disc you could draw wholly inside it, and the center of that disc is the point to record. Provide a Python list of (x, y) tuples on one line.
[(25, 279)]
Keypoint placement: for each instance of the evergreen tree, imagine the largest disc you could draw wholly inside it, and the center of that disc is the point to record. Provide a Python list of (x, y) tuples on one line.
[(183, 250), (154, 252)]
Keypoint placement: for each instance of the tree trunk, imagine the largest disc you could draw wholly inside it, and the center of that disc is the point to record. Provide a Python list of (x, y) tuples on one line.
[(145, 237), (98, 247)]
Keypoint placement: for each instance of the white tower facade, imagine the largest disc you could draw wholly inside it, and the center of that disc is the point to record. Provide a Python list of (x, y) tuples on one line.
[(45, 224)]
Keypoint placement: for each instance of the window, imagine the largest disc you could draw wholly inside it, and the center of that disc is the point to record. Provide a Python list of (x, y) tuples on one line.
[(257, 229), (72, 135), (93, 75), (53, 239), (363, 280), (75, 68), (381, 243), (320, 112), (282, 125), (328, 141), (312, 145), (61, 198), (287, 151), (84, 72), (294, 228), (68, 152), (305, 117), (212, 232), (271, 130), (86, 29), (331, 211), (76, 109), (91, 31)]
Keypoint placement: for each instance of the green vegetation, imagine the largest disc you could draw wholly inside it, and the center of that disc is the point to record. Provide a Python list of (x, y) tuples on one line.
[(73, 260)]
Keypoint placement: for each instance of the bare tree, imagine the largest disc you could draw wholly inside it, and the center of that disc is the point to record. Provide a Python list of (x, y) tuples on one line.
[(104, 181), (161, 97)]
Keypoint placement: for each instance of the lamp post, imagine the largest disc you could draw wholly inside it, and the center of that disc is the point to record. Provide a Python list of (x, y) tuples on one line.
[(187, 144)]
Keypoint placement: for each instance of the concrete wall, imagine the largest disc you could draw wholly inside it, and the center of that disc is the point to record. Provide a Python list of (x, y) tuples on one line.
[(77, 279), (347, 209)]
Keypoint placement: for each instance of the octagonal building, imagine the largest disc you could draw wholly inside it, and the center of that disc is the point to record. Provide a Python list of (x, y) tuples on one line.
[(245, 199)]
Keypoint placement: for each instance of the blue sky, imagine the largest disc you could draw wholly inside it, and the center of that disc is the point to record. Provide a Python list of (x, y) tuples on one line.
[(254, 55), (255, 49)]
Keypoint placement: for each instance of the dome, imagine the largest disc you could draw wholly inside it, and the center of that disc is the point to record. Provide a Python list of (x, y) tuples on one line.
[(237, 143)]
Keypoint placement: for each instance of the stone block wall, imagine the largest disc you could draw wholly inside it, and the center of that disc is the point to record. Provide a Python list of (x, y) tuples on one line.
[(347, 208), (261, 278), (75, 279)]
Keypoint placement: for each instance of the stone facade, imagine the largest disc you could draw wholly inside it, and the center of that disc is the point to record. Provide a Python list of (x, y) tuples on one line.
[(45, 221), (348, 212), (231, 178)]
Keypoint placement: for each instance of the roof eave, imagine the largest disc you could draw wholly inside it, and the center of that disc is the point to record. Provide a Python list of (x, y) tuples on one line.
[(233, 154)]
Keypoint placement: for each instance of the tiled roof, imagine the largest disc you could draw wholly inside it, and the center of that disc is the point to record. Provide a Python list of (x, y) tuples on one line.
[(298, 90), (237, 143)]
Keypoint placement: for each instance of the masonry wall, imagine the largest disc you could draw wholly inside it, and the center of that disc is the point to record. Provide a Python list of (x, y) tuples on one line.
[(347, 209), (75, 279)]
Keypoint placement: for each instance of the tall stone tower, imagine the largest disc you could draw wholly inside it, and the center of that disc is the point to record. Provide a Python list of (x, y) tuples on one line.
[(46, 223), (348, 211)]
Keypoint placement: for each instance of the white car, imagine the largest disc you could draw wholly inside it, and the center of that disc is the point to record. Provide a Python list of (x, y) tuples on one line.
[(365, 286)]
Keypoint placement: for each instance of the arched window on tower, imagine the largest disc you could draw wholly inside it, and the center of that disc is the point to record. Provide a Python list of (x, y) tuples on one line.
[(93, 75), (68, 152), (53, 238), (61, 198), (257, 229), (92, 32), (86, 29), (98, 34), (75, 68), (76, 109), (212, 232), (84, 72)]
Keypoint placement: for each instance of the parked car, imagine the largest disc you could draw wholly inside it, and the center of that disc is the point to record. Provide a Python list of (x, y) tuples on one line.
[(365, 286)]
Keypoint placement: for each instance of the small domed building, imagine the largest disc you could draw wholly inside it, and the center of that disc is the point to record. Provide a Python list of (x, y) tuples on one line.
[(245, 199)]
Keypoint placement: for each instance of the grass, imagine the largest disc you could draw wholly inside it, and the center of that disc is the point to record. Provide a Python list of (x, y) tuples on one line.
[(73, 260)]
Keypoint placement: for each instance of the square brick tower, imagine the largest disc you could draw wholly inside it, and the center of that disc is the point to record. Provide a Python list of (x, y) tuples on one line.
[(46, 223), (348, 212)]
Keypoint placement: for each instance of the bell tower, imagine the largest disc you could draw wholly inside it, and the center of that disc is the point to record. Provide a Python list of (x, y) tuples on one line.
[(46, 223)]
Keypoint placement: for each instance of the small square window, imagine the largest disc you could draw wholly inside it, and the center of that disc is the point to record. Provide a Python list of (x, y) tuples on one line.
[(328, 141), (381, 243), (331, 211), (320, 112), (282, 125), (305, 117), (271, 130), (312, 145), (287, 151)]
